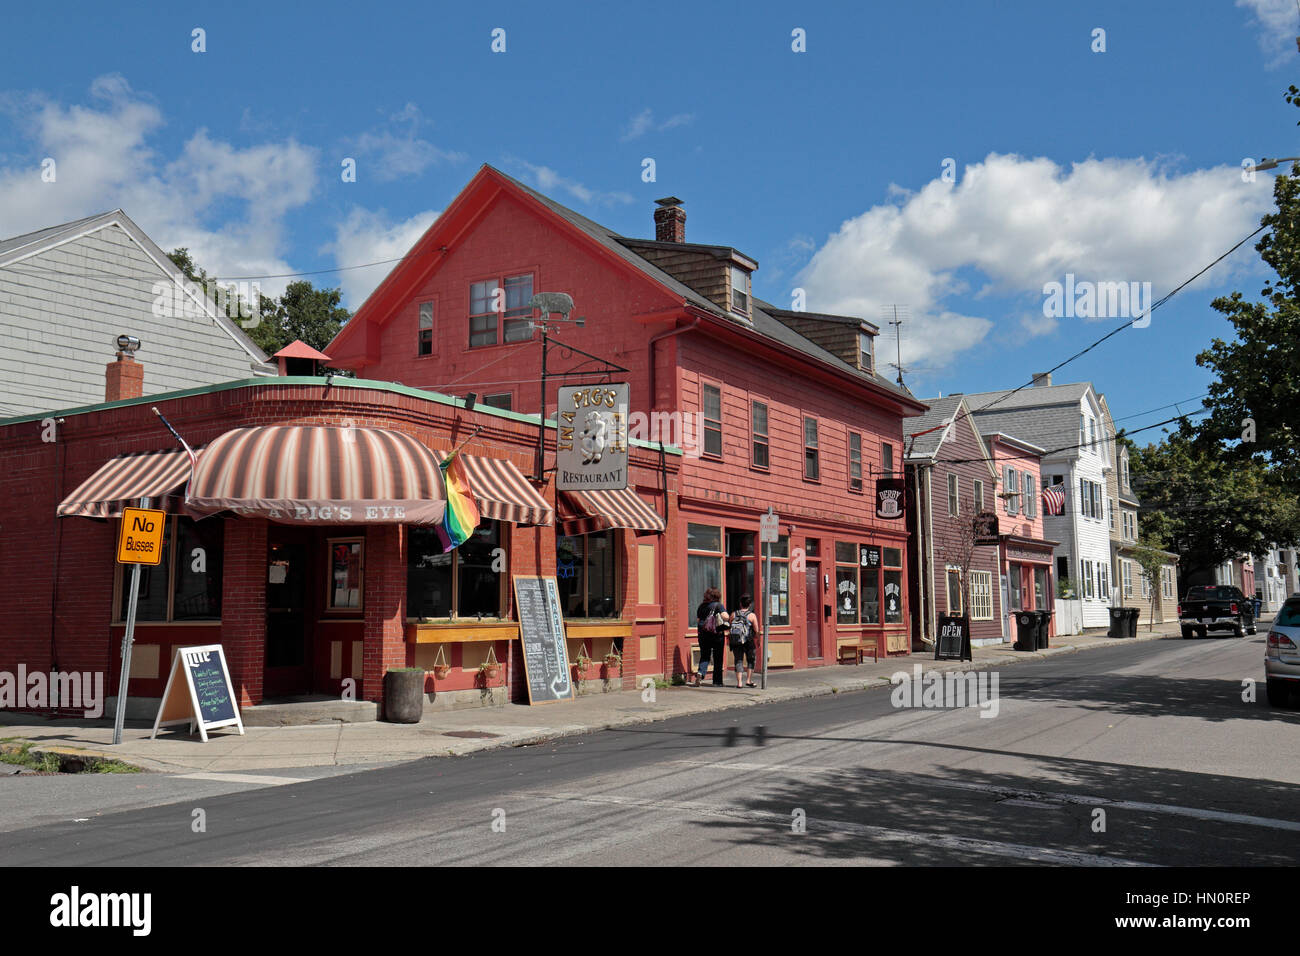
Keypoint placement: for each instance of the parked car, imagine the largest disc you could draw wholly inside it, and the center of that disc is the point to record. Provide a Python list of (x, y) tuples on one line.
[(1282, 658), (1216, 607)]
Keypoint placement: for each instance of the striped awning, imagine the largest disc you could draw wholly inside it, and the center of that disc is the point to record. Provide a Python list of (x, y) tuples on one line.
[(122, 481), (583, 512), (317, 474), (503, 493)]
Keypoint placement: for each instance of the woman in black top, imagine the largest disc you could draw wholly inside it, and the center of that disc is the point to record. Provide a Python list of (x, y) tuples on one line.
[(711, 641)]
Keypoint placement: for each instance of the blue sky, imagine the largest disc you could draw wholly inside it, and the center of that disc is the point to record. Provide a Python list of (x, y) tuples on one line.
[(825, 165)]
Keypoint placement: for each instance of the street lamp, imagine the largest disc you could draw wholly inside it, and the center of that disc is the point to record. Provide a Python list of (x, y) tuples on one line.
[(1267, 163)]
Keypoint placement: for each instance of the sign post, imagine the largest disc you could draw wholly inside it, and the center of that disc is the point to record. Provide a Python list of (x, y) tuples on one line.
[(768, 533), (139, 541)]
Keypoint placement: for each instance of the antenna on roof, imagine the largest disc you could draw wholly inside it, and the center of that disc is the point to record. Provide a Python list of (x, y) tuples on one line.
[(900, 314)]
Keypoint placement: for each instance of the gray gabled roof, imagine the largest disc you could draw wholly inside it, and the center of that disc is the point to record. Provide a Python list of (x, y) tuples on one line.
[(763, 321), (1046, 415), (941, 412), (30, 241)]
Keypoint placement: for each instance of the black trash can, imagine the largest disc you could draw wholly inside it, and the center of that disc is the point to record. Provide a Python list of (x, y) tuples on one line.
[(1044, 620), (1026, 630), (1133, 614), (1118, 622)]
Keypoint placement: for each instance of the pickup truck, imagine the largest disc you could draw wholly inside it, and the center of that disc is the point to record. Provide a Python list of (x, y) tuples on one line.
[(1216, 607)]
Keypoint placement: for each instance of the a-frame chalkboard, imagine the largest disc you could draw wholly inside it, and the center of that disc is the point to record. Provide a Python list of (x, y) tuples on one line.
[(199, 692)]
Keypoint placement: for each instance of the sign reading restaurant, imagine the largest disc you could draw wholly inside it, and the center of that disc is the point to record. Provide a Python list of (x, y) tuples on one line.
[(591, 441)]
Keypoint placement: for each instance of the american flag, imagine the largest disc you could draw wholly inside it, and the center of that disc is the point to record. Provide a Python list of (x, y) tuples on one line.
[(1054, 500)]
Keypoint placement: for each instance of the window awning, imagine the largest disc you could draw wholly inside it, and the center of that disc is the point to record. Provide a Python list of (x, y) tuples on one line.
[(503, 493), (317, 474), (123, 480), (583, 512)]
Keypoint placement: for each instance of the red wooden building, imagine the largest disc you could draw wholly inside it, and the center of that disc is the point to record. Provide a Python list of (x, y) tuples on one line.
[(770, 407)]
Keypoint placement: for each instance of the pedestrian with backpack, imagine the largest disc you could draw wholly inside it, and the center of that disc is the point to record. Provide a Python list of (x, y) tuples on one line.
[(743, 633), (711, 619)]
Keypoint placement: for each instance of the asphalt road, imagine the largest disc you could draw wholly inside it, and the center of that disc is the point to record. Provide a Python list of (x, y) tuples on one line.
[(1138, 754)]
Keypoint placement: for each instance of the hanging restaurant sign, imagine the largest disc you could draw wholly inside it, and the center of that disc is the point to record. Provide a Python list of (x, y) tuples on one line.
[(986, 528), (591, 438), (891, 497)]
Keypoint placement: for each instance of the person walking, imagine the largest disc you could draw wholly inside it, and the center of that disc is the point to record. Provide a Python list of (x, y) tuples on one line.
[(742, 634), (711, 620)]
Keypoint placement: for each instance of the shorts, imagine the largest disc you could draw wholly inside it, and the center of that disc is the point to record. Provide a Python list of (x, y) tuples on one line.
[(745, 651)]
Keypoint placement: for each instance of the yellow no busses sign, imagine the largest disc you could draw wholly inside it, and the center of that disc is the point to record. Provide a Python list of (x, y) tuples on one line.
[(141, 535)]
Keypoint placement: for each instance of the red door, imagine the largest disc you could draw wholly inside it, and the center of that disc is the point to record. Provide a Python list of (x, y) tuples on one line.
[(813, 609)]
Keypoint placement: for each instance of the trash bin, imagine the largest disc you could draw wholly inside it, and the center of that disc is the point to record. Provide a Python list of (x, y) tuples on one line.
[(1044, 620), (1259, 605), (1133, 614), (1026, 631), (1118, 622)]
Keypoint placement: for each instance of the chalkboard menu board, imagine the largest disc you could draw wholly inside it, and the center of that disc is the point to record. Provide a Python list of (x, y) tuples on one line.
[(199, 692), (541, 637), (953, 640)]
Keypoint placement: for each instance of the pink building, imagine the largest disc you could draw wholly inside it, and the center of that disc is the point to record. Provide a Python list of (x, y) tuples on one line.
[(1024, 556)]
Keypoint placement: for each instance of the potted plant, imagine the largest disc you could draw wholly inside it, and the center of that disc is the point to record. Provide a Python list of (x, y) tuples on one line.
[(490, 668), (613, 662), (440, 666), (582, 663), (1065, 589), (404, 695)]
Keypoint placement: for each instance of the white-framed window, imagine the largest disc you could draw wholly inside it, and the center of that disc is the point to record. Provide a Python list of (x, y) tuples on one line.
[(864, 351), (1167, 582), (978, 496), (981, 595), (1146, 586), (1103, 581), (1028, 485), (1128, 578), (1087, 578), (1011, 479), (739, 290), (954, 495), (1112, 514), (953, 578)]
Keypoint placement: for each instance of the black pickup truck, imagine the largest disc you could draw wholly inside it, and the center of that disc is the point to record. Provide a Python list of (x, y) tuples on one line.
[(1216, 607)]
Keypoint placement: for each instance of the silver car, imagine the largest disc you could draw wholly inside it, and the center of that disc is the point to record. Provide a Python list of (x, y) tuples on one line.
[(1282, 659)]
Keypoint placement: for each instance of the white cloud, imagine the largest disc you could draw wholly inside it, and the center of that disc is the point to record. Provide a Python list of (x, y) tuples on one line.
[(397, 154), (548, 181), (644, 122), (1279, 25), (226, 204), (1012, 224), (369, 236)]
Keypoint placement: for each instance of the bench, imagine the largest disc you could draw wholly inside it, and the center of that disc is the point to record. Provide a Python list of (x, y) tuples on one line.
[(855, 653)]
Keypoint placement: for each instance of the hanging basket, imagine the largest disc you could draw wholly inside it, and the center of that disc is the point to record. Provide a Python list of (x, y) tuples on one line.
[(440, 666), (490, 668)]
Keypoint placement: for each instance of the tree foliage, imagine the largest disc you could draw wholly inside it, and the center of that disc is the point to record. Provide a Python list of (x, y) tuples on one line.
[(1258, 373), (302, 312)]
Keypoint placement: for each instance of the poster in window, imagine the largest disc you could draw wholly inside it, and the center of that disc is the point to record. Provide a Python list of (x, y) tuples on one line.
[(869, 556), (893, 597), (891, 498), (345, 575), (591, 444), (846, 595)]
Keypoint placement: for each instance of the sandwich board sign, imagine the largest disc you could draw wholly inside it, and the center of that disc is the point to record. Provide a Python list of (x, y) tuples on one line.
[(542, 639), (199, 692)]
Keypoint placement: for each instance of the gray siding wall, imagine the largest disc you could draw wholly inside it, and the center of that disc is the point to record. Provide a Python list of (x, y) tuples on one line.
[(62, 310)]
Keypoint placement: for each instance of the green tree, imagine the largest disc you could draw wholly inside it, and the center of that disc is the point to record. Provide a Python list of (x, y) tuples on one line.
[(302, 312), (1205, 506), (1253, 401), (1150, 557)]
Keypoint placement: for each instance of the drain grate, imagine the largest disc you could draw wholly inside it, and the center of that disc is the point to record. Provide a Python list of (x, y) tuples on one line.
[(476, 734)]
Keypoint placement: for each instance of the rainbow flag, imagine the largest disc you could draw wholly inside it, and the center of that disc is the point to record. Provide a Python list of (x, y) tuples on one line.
[(462, 515)]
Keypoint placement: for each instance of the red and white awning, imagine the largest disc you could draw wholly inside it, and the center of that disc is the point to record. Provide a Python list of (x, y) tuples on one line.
[(503, 493), (305, 474), (124, 480), (582, 512)]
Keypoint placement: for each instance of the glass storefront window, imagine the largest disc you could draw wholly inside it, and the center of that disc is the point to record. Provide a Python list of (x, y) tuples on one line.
[(186, 585), (846, 595), (428, 575), (478, 587), (585, 569), (703, 537), (893, 597), (870, 596), (343, 587), (465, 582)]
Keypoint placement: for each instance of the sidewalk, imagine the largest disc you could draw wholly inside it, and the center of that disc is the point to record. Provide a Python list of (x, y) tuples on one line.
[(448, 733)]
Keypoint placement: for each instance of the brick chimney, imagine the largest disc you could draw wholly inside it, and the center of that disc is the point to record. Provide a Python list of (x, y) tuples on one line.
[(123, 378), (1042, 379), (670, 220)]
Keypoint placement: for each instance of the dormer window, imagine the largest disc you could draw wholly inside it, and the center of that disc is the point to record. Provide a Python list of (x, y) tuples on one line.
[(739, 290), (864, 351)]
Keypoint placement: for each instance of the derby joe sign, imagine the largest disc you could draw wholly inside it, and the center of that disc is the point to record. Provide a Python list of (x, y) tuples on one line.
[(591, 441)]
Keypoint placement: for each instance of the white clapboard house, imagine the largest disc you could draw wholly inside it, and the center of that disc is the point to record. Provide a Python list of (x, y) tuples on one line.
[(67, 292)]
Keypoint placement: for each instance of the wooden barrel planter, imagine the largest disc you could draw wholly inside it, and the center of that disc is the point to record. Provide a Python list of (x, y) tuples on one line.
[(404, 695)]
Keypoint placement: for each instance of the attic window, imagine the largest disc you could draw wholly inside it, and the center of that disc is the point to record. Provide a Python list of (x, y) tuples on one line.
[(739, 290), (864, 351)]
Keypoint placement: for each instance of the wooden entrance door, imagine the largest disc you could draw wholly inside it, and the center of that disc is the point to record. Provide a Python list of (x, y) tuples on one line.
[(813, 608), (289, 600)]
